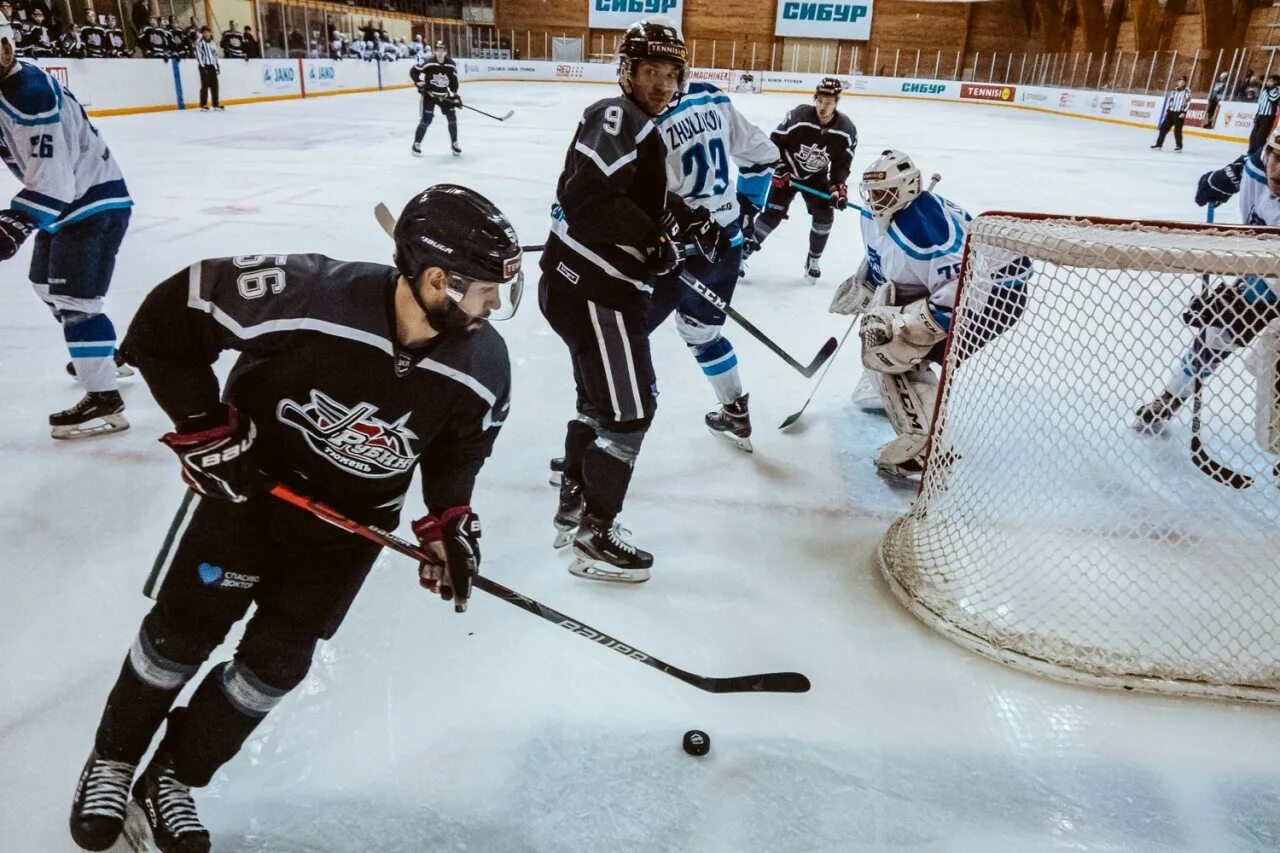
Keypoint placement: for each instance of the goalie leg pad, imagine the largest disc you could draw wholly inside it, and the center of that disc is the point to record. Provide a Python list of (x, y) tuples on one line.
[(1266, 368), (909, 400)]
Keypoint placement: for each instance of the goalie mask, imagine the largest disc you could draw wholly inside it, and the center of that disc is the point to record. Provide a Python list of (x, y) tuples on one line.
[(651, 40), (467, 236), (888, 185)]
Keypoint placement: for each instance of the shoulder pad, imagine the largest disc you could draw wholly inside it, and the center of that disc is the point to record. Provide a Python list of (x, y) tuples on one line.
[(702, 88), (927, 229), (30, 96)]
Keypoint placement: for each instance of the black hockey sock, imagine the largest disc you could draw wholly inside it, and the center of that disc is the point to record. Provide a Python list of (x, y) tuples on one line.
[(819, 232), (132, 717), (766, 222), (210, 731), (453, 128), (606, 474), (422, 128), (578, 437)]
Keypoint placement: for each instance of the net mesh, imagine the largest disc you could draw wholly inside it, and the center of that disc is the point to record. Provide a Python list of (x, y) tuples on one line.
[(1057, 528)]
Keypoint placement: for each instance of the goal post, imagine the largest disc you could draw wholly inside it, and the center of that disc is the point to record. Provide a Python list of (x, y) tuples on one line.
[(1049, 533)]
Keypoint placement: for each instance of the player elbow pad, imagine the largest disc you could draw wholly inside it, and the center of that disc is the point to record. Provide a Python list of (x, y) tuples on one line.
[(1219, 186)]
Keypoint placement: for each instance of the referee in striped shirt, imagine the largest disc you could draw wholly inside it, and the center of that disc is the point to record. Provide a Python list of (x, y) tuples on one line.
[(1268, 100), (1175, 114), (207, 59)]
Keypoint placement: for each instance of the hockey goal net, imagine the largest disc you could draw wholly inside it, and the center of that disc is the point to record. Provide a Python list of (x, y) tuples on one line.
[(1048, 532)]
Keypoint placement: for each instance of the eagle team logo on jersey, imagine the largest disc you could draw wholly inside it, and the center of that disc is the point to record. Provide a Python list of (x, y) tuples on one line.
[(351, 438), (813, 158)]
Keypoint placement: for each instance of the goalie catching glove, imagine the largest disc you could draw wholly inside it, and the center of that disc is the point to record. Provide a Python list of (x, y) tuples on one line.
[(895, 339), (216, 451), (452, 540)]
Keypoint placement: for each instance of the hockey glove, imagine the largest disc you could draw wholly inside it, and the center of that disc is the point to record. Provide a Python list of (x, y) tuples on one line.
[(217, 458), (839, 196), (664, 255), (15, 227), (895, 339), (705, 234), (1217, 187), (453, 540), (781, 179)]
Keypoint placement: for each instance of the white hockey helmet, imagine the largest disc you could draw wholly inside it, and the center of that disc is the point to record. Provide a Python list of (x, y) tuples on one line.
[(889, 184), (8, 45)]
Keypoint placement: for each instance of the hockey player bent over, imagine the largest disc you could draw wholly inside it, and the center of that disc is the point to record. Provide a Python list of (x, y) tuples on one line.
[(907, 287), (614, 230), (74, 198), (817, 143), (1230, 314), (703, 133), (436, 76), (350, 376)]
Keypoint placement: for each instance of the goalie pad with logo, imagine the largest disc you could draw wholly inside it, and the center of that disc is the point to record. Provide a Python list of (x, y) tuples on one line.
[(909, 400)]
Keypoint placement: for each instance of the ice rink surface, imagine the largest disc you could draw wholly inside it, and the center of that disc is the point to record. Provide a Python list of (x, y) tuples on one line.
[(421, 730)]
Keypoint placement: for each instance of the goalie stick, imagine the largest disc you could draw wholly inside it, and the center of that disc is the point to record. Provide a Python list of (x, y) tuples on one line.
[(767, 682), (1209, 466), (388, 222)]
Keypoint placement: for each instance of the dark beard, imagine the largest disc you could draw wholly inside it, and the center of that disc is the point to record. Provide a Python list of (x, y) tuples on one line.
[(450, 319)]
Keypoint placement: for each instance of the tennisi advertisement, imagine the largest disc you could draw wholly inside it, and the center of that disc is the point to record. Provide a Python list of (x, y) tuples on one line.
[(828, 19), (620, 14)]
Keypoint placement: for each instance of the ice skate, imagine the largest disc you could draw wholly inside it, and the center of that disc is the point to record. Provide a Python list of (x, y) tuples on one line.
[(102, 796), (417, 149), (568, 513), (1152, 418), (602, 553), (812, 272), (456, 149), (732, 421), (557, 471), (162, 815), (122, 370), (97, 413)]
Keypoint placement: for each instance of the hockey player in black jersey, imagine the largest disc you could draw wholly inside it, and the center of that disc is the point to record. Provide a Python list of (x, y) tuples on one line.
[(615, 228), (350, 376), (436, 76), (817, 143)]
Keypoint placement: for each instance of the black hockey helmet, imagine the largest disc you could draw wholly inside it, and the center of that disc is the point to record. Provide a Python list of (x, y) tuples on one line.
[(830, 87), (650, 40), (463, 233)]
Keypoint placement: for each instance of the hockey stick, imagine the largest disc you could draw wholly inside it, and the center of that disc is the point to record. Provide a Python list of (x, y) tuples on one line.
[(768, 682), (808, 370), (388, 222), (1207, 464), (792, 418), (933, 182), (509, 114)]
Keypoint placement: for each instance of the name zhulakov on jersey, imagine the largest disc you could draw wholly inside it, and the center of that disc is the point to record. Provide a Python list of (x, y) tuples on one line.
[(689, 126)]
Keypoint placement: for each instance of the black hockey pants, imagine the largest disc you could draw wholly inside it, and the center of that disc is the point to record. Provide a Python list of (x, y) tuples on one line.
[(429, 105)]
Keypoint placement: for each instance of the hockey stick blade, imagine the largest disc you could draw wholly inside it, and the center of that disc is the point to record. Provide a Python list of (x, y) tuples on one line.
[(769, 682), (795, 416), (508, 115)]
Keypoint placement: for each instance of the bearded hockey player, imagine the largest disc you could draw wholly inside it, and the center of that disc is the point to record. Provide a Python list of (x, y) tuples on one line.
[(436, 76), (907, 288), (350, 376), (704, 133), (1229, 315), (615, 229), (75, 201), (817, 143)]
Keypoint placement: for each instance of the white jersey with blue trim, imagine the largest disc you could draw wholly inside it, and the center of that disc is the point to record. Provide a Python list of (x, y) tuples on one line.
[(703, 134), (1257, 205), (919, 252), (48, 143)]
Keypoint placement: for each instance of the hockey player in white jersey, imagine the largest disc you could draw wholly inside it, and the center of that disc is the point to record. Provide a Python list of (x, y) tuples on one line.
[(906, 289), (75, 200), (704, 134), (1229, 315)]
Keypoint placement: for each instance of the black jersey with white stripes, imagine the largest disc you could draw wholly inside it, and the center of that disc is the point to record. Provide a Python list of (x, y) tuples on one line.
[(814, 152), (608, 199), (436, 77), (343, 412)]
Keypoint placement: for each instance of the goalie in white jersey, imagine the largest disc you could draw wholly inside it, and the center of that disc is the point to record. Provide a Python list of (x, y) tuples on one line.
[(704, 134), (907, 288), (75, 200), (1229, 315)]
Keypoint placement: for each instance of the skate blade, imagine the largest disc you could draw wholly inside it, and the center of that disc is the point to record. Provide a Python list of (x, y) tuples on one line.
[(743, 444), (105, 425), (555, 478), (585, 568), (137, 832), (563, 537), (897, 473)]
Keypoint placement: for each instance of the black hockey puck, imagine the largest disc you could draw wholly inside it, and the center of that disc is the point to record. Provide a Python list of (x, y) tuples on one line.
[(696, 742)]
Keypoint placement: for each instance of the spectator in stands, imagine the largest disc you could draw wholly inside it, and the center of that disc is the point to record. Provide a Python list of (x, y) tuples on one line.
[(154, 41), (1216, 95), (335, 46), (71, 45), (207, 61), (1265, 119), (1248, 88), (36, 40), (116, 44), (140, 15), (252, 47), (233, 43), (297, 44)]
